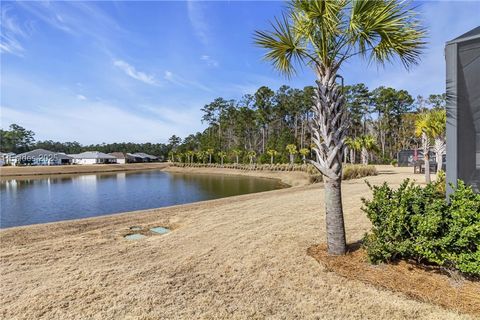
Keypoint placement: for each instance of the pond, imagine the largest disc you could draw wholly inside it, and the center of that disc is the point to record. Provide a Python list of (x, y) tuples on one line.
[(54, 198)]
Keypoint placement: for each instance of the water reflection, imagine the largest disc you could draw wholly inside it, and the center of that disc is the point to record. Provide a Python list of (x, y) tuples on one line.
[(54, 198)]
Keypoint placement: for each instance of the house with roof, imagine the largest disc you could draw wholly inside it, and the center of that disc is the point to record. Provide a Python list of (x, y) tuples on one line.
[(6, 158), (93, 157), (141, 157), (121, 159), (41, 157)]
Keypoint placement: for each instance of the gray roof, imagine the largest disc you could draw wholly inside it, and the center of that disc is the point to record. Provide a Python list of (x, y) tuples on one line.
[(118, 155), (143, 155), (472, 34), (92, 155), (42, 153)]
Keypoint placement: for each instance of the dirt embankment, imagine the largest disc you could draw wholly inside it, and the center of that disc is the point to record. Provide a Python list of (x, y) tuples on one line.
[(242, 257), (13, 172)]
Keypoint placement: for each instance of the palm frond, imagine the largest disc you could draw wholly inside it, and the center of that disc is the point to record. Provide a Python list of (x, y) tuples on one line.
[(385, 29), (285, 47)]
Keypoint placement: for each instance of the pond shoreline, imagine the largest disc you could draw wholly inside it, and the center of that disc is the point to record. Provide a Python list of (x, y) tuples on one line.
[(9, 172)]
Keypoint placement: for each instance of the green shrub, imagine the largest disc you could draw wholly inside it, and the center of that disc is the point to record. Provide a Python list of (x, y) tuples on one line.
[(394, 162), (420, 224)]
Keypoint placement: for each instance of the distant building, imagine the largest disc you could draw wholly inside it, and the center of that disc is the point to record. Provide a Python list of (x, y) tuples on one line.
[(6, 158), (120, 157), (93, 157), (41, 157), (141, 157)]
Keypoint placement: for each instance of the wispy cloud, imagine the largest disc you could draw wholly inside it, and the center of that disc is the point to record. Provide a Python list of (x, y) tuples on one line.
[(209, 61), (81, 97), (133, 73), (11, 32), (178, 80), (198, 21)]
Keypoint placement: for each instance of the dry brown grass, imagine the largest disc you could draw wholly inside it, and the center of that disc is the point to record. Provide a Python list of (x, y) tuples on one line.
[(242, 257), (12, 172), (428, 284)]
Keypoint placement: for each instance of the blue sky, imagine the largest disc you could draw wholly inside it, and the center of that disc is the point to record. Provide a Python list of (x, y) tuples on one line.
[(98, 72)]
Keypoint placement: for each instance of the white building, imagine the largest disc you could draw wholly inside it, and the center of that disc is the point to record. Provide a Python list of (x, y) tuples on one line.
[(120, 157), (93, 157), (40, 157), (6, 158)]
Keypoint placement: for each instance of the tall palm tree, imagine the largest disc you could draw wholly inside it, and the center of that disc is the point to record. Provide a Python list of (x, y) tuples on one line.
[(272, 153), (368, 144), (190, 154), (322, 35), (292, 151), (423, 130)]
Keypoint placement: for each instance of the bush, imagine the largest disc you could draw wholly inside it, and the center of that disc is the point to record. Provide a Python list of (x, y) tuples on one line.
[(420, 224), (394, 162), (355, 171)]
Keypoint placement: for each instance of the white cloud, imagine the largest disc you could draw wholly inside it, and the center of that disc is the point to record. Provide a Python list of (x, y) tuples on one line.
[(209, 61), (137, 75), (81, 97), (178, 80), (11, 31), (93, 123), (198, 21)]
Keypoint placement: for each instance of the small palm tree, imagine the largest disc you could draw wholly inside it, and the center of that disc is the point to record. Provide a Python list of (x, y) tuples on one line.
[(353, 145), (368, 144), (323, 35), (251, 156), (292, 151), (236, 153), (272, 153), (423, 130), (201, 156), (210, 152), (222, 155), (179, 157), (171, 155), (190, 154), (304, 152), (438, 123)]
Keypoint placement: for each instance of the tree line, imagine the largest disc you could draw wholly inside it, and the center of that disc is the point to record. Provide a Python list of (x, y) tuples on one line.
[(276, 126), (273, 127)]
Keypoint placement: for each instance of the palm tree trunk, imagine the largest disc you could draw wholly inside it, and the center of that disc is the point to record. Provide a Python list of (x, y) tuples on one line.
[(439, 149), (271, 159), (352, 156), (364, 156), (329, 128), (426, 160), (336, 241)]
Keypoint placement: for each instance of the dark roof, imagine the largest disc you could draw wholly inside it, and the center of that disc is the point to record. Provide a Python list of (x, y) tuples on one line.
[(38, 153), (472, 34)]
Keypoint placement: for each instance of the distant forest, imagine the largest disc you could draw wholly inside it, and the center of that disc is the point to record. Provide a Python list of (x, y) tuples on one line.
[(265, 123)]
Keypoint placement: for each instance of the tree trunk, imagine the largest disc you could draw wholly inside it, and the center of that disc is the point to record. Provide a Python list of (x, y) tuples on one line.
[(364, 156), (291, 158), (209, 159), (336, 241), (271, 159), (329, 131), (221, 160), (426, 158), (439, 149), (352, 156), (236, 158)]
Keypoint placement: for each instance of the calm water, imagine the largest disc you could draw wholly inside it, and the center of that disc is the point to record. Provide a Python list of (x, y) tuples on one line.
[(55, 198)]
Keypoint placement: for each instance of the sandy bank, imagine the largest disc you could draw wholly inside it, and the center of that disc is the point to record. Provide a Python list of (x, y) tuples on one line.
[(242, 257), (12, 172), (291, 178)]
